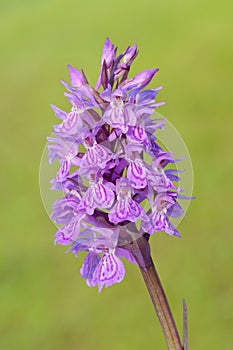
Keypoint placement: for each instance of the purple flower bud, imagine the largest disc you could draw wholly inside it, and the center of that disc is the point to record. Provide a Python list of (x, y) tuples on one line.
[(107, 60), (130, 54), (108, 54), (140, 80)]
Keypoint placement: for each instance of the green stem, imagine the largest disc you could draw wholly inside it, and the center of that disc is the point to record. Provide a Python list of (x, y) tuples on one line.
[(141, 251)]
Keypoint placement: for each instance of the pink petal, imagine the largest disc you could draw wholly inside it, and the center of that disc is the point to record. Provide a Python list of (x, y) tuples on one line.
[(110, 270)]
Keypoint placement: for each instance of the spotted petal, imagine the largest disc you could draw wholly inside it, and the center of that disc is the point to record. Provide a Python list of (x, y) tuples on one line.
[(97, 196), (70, 126), (158, 221), (67, 234), (64, 209), (89, 265), (137, 174), (120, 116), (97, 155), (137, 133), (110, 270), (125, 209)]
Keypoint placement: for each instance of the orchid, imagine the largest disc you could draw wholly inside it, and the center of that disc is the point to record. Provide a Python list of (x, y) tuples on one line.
[(111, 164), (101, 145)]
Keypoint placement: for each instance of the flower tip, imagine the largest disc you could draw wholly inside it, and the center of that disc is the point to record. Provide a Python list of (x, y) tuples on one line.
[(76, 77), (108, 43), (177, 234), (100, 287)]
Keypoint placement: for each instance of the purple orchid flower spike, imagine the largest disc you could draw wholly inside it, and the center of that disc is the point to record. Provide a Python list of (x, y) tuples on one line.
[(110, 166), (119, 185)]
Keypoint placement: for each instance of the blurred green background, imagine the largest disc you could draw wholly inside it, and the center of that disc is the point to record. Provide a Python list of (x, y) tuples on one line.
[(44, 303)]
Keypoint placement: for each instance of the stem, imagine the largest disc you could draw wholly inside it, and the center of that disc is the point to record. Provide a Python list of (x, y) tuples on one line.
[(141, 251), (161, 306), (185, 325)]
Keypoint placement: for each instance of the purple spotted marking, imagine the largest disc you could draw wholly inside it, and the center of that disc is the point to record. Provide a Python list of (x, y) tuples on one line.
[(97, 196), (97, 155), (110, 270), (137, 174)]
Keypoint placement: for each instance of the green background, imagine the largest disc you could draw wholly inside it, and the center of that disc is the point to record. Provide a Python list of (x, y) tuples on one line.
[(44, 303)]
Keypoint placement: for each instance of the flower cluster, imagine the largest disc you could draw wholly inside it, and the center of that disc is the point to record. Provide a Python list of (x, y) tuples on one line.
[(112, 170)]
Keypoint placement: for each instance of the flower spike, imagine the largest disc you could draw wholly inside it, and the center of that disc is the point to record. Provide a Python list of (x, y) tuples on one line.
[(112, 172)]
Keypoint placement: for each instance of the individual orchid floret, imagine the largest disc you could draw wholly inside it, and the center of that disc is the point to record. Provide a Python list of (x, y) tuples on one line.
[(159, 180), (70, 232), (125, 209), (97, 196), (118, 114), (102, 265), (63, 171), (81, 117), (145, 125), (65, 208), (109, 270), (137, 171), (96, 155), (79, 88), (61, 149), (158, 220), (71, 126)]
